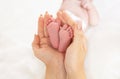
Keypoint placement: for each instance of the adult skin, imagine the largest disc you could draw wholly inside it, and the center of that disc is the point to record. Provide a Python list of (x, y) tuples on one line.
[(76, 52), (43, 51), (69, 65)]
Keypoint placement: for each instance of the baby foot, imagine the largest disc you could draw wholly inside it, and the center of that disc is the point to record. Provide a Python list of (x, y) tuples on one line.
[(65, 35), (53, 33)]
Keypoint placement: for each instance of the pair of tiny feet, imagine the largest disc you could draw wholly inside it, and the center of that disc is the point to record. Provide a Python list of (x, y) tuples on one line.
[(60, 35)]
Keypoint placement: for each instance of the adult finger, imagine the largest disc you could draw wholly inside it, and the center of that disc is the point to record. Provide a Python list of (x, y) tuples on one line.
[(79, 37), (41, 26), (38, 52), (46, 19), (59, 14), (36, 43), (77, 29), (58, 21), (68, 19)]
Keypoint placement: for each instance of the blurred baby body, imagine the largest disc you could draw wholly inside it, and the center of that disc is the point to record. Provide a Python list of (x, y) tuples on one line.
[(81, 11)]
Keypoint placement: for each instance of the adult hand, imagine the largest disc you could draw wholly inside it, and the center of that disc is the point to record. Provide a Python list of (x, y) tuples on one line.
[(41, 45), (43, 51), (75, 56)]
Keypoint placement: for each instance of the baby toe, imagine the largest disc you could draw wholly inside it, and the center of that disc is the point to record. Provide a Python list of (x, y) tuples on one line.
[(68, 29), (65, 26)]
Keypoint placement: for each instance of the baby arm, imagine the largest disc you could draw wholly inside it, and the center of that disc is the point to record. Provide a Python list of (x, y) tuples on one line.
[(92, 12)]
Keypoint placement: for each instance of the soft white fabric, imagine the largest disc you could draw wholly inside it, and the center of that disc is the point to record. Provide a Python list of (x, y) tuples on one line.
[(18, 23), (77, 19)]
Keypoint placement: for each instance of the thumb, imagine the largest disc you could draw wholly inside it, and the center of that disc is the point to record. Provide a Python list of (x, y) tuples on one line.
[(35, 43), (42, 53), (78, 33)]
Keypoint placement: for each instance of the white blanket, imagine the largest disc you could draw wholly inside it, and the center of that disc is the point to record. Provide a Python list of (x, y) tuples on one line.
[(18, 24)]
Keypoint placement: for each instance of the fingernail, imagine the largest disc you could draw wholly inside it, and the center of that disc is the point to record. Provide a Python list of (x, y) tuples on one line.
[(40, 15), (46, 12), (34, 35), (60, 12), (51, 16)]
